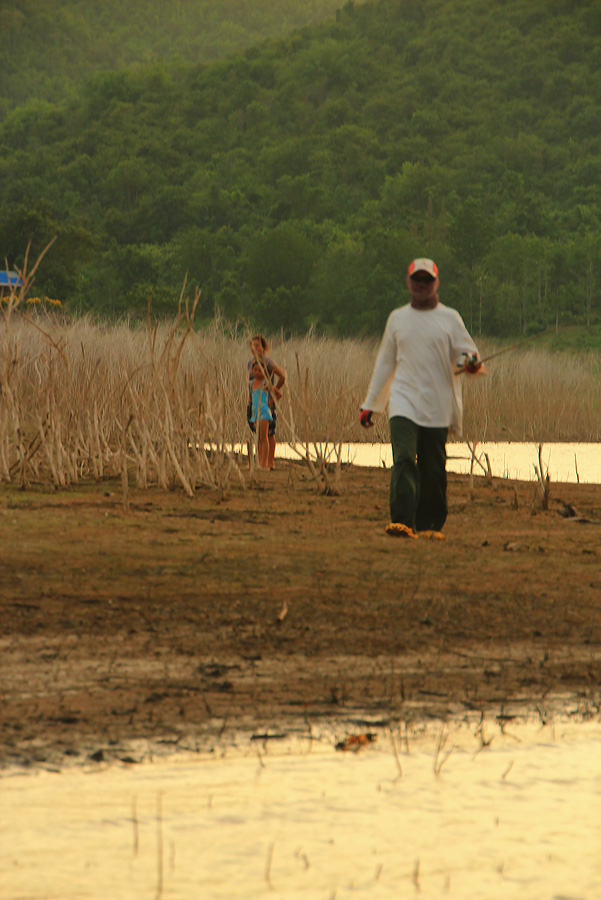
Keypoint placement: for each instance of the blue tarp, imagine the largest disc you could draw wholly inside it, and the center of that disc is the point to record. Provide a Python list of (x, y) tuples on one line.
[(9, 278)]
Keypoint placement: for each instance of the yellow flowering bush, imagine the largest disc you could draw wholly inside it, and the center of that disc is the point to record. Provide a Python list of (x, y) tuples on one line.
[(39, 300)]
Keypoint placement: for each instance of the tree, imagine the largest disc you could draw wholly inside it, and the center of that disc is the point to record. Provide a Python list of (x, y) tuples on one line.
[(281, 257)]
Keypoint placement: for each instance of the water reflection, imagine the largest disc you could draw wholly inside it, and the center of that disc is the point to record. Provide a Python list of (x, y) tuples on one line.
[(513, 814), (515, 460)]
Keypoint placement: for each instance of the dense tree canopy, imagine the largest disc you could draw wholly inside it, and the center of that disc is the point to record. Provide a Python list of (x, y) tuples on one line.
[(294, 182), (47, 47)]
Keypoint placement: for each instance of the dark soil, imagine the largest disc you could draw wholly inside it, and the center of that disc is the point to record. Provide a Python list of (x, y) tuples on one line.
[(177, 621)]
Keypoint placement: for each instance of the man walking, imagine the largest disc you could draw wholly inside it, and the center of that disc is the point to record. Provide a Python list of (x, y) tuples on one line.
[(424, 344)]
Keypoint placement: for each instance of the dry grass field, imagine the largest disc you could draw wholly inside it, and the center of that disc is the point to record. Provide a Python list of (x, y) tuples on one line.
[(81, 400)]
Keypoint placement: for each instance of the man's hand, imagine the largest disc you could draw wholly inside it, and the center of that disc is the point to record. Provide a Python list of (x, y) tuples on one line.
[(472, 364), (365, 418)]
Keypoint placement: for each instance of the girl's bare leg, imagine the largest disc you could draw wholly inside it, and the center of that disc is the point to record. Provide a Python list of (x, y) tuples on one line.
[(271, 454), (263, 443)]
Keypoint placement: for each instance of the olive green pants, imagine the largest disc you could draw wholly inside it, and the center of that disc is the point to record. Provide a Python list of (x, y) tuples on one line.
[(418, 481)]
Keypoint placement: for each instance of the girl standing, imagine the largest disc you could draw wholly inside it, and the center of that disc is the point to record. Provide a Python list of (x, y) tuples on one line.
[(259, 347), (260, 413)]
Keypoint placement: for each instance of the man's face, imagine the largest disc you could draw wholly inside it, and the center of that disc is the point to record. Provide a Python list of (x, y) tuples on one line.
[(422, 287)]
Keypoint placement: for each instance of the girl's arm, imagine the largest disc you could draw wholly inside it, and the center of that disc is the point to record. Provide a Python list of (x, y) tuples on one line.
[(281, 376), (249, 411)]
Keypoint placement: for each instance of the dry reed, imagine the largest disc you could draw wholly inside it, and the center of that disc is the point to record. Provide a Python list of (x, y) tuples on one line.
[(166, 404), (535, 395)]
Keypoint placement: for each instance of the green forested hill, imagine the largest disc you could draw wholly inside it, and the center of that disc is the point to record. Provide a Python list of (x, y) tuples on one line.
[(295, 181), (48, 47)]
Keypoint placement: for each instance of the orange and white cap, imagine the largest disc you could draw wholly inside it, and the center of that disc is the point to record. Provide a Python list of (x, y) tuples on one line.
[(424, 265)]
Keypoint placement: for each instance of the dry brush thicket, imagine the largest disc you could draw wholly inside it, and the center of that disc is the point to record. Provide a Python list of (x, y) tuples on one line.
[(166, 404), (161, 404), (534, 394)]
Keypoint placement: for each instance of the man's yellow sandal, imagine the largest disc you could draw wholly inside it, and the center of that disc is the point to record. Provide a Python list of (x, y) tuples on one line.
[(432, 535), (396, 529)]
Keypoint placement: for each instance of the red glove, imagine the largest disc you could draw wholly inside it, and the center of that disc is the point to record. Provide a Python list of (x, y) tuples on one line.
[(472, 364), (365, 418)]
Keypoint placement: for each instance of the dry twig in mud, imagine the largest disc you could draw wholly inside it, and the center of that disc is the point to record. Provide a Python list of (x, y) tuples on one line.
[(268, 862), (135, 824), (544, 480), (507, 771), (477, 460), (396, 752), (279, 619), (416, 876), (484, 741), (159, 892), (439, 763), (124, 475)]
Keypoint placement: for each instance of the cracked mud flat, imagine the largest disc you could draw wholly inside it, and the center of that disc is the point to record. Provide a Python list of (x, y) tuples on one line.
[(186, 624)]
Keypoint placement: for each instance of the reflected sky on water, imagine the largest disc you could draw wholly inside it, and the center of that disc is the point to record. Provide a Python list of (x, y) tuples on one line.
[(565, 462), (463, 813)]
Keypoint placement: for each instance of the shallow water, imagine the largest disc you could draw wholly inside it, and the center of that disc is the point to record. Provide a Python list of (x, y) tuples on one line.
[(518, 818), (515, 460)]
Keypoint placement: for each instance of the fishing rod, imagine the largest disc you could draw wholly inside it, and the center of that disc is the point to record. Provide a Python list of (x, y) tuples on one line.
[(468, 357)]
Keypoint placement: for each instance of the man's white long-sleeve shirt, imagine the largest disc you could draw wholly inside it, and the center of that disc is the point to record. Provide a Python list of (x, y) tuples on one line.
[(414, 371)]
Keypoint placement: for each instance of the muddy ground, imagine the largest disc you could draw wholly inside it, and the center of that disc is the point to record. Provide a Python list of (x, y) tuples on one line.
[(181, 621)]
